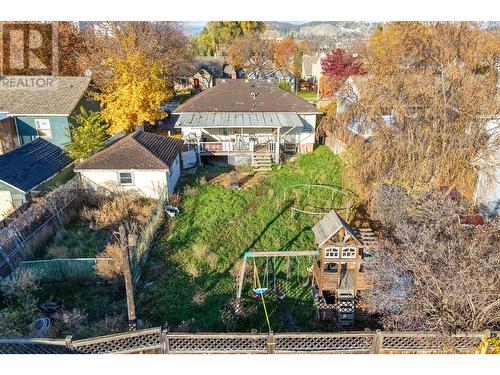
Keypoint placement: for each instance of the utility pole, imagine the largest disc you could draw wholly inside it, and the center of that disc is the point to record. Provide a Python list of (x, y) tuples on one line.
[(127, 275)]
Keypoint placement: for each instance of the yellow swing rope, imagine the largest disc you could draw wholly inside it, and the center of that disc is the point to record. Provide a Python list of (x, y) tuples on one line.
[(262, 296)]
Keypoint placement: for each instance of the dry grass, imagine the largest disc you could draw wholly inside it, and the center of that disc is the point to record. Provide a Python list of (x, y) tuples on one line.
[(110, 269), (124, 208)]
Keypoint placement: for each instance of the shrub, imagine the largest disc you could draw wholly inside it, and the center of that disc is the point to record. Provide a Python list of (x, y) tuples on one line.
[(110, 269), (123, 208)]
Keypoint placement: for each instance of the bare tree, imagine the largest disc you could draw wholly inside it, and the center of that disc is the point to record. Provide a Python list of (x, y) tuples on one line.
[(431, 272)]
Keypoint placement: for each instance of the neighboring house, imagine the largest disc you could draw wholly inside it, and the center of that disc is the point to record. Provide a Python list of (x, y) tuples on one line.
[(350, 92), (8, 134), (244, 120), (29, 169), (206, 71), (487, 194), (269, 71), (45, 112), (146, 162), (311, 67)]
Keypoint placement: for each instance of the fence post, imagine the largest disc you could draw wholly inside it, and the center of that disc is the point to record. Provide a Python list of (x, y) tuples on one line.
[(271, 343), (165, 347), (69, 341), (377, 342)]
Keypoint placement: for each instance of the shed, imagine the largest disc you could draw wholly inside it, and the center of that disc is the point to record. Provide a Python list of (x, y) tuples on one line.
[(145, 162)]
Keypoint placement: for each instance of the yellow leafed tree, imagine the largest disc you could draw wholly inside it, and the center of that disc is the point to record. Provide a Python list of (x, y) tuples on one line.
[(133, 94)]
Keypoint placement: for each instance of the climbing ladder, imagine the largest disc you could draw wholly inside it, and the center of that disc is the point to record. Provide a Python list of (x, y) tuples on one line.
[(345, 309)]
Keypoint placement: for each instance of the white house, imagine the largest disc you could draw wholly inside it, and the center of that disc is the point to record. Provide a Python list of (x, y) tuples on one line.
[(248, 121), (145, 162)]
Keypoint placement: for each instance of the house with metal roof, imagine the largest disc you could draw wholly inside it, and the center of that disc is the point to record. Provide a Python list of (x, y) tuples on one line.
[(145, 162), (247, 121), (29, 169), (42, 107)]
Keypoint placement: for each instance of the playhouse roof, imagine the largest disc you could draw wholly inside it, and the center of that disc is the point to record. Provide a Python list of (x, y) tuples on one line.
[(329, 225)]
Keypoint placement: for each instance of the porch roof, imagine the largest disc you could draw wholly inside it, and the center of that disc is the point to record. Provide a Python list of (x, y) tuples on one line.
[(238, 120)]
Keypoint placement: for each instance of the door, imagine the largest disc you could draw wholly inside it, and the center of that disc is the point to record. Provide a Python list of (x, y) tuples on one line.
[(6, 205)]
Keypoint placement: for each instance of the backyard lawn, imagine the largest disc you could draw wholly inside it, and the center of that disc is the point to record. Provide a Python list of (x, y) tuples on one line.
[(192, 269)]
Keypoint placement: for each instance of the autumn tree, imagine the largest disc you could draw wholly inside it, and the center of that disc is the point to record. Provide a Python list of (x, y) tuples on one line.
[(430, 272), (216, 36), (135, 92), (283, 51), (88, 133), (248, 51), (339, 65), (430, 90), (163, 42)]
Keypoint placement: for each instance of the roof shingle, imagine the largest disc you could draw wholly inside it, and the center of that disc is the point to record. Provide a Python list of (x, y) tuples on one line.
[(59, 97), (139, 150), (235, 95)]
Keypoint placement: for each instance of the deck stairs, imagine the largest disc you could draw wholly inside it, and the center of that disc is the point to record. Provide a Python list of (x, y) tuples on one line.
[(262, 161)]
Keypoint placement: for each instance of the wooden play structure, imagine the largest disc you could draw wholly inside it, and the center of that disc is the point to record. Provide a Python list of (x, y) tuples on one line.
[(338, 274)]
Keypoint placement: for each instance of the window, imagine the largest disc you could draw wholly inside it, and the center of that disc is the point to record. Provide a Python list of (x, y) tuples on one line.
[(349, 252), (43, 128), (331, 252), (125, 178)]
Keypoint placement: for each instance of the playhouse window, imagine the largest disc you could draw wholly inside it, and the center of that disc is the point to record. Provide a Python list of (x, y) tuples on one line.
[(349, 252), (331, 252)]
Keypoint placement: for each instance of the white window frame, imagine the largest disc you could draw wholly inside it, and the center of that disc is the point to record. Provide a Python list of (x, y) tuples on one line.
[(348, 254), (332, 252), (118, 175), (44, 121)]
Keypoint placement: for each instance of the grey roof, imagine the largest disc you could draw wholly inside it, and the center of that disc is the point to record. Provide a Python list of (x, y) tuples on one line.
[(139, 150), (28, 166), (238, 120), (58, 97), (329, 225), (235, 95)]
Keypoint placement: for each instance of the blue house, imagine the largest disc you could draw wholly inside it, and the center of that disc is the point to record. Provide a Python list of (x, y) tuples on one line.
[(32, 168), (44, 112)]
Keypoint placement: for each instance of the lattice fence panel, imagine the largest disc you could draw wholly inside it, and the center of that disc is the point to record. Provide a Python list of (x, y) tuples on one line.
[(428, 343), (223, 344), (37, 348), (327, 343), (126, 343)]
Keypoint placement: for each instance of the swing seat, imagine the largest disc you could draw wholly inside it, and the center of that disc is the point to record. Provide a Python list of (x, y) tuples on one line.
[(260, 291)]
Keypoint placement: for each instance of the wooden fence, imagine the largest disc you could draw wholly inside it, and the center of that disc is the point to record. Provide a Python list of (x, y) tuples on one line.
[(156, 340)]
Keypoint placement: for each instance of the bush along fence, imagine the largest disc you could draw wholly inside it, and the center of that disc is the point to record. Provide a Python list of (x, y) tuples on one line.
[(160, 341), (140, 252), (74, 270), (29, 231)]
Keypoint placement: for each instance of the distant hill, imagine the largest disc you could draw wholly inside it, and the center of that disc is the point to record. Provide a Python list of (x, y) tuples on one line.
[(323, 28)]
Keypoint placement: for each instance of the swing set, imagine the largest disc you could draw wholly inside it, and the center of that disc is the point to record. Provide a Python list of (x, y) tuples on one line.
[(261, 285), (260, 289)]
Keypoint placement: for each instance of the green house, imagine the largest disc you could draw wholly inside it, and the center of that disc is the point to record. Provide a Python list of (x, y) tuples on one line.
[(44, 112)]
